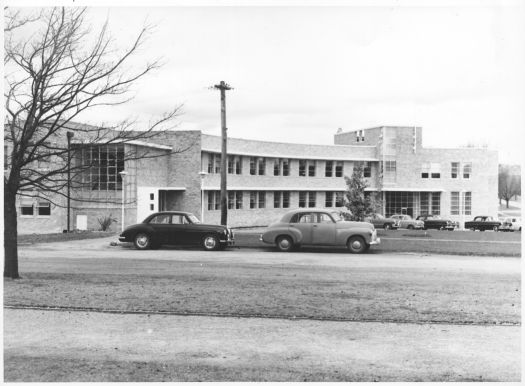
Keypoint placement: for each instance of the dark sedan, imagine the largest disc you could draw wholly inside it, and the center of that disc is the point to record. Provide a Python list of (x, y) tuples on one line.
[(433, 221), (177, 228), (483, 223)]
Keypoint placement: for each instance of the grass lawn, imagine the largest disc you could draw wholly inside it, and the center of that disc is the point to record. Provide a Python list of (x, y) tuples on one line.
[(318, 292), (58, 237)]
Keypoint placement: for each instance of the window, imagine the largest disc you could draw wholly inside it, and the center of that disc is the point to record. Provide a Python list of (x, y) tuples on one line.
[(234, 164), (281, 199), (329, 165), (261, 166), (302, 199), (436, 203), (307, 218), (257, 200), (302, 168), (435, 170), (339, 199), (424, 203), (306, 166), (214, 200), (214, 163), (257, 166), (26, 207), (467, 169), (467, 203), (152, 196), (329, 199), (323, 217), (425, 169), (44, 208), (454, 203), (367, 168), (105, 163), (281, 167), (390, 166), (311, 169), (454, 169), (339, 169), (238, 199), (286, 167), (311, 199), (262, 199), (276, 199), (231, 199), (179, 219), (160, 219)]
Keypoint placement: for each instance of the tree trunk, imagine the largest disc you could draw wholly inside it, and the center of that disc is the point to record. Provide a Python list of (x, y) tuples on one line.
[(10, 235), (507, 203)]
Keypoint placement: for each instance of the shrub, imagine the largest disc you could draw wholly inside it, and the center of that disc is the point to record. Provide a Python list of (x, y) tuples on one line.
[(105, 222)]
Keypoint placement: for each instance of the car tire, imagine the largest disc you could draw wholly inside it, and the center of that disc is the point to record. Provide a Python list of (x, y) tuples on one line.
[(356, 244), (211, 243), (142, 241), (473, 229), (410, 227), (284, 243), (387, 227), (495, 228)]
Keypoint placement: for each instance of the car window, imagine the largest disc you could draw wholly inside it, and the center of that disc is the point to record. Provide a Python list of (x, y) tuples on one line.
[(324, 218), (160, 219), (307, 218), (178, 219)]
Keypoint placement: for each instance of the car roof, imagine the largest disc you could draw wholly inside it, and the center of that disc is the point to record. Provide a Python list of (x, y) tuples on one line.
[(288, 215)]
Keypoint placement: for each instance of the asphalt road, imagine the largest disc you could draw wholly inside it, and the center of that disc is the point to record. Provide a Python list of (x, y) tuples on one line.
[(95, 346)]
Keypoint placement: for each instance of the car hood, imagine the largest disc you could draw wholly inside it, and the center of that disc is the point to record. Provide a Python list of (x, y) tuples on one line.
[(354, 224)]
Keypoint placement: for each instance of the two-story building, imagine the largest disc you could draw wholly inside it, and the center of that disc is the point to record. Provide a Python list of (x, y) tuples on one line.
[(265, 179)]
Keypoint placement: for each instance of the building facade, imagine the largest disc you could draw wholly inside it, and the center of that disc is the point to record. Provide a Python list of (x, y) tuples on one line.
[(265, 179)]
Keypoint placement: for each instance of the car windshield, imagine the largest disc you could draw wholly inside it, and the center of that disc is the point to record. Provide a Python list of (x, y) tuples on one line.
[(336, 216), (193, 219)]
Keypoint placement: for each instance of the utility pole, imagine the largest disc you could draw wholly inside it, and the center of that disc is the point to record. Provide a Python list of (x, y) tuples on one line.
[(224, 205), (69, 135)]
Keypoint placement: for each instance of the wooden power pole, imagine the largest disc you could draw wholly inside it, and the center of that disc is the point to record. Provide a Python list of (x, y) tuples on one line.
[(224, 134)]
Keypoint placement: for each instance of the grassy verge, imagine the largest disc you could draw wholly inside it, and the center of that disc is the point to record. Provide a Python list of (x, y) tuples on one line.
[(59, 237), (381, 294)]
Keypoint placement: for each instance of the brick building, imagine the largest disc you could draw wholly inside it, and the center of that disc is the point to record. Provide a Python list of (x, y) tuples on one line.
[(265, 179)]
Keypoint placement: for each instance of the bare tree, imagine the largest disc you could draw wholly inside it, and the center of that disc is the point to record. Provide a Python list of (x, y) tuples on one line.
[(509, 184), (60, 71)]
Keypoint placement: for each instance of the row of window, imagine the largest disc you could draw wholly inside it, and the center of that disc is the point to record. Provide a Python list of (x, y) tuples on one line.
[(30, 208), (433, 170), (458, 200), (281, 199), (281, 166)]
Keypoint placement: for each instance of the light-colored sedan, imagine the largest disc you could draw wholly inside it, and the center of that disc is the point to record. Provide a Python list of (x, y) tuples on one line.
[(319, 227), (407, 222)]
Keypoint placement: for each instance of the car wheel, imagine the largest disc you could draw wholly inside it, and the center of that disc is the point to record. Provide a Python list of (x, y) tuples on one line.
[(284, 243), (410, 227), (356, 244), (142, 241), (387, 227), (495, 228), (441, 228), (211, 243), (473, 229)]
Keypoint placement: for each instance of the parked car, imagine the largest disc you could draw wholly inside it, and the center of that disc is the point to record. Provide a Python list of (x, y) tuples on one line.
[(511, 224), (319, 227), (405, 221), (177, 228), (380, 221), (432, 221), (483, 223)]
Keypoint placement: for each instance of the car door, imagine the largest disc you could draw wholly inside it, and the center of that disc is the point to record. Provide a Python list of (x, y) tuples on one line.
[(304, 223), (178, 229), (161, 227), (323, 231)]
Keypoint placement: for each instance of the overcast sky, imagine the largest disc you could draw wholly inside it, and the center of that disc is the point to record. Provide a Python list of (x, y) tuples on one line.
[(300, 73)]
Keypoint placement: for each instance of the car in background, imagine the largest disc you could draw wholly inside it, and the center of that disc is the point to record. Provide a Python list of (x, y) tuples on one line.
[(177, 228), (407, 222), (311, 226), (483, 223), (433, 221), (511, 224), (380, 221)]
